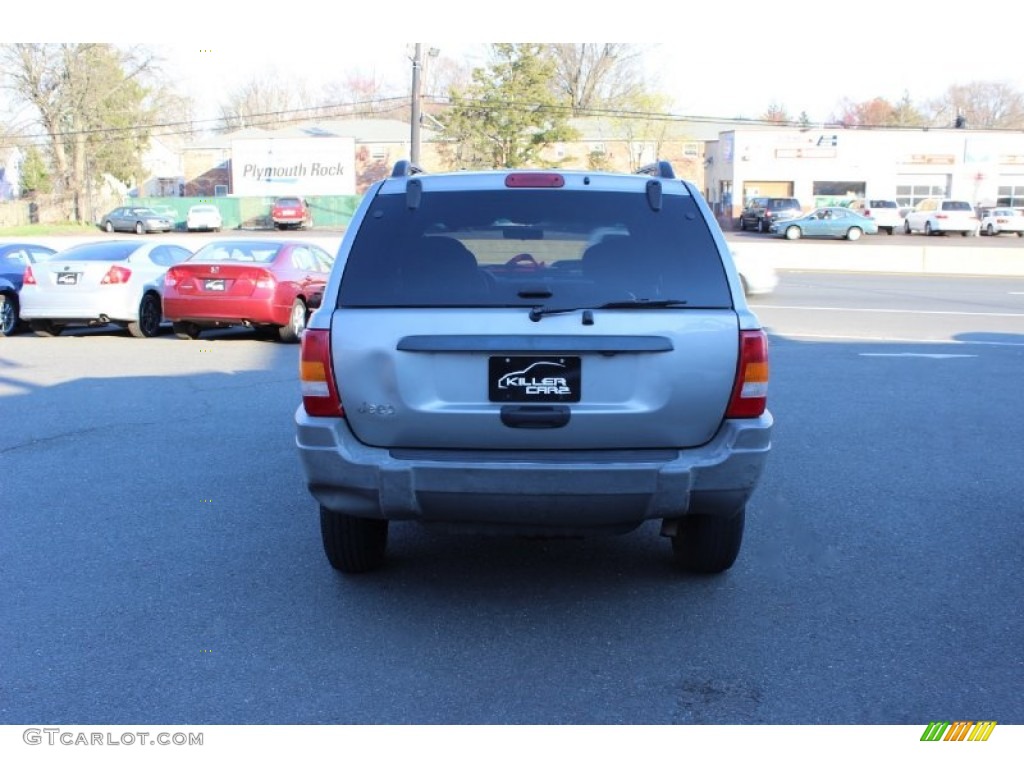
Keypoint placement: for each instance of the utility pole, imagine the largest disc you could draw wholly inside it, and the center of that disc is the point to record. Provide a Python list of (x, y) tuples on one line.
[(414, 143)]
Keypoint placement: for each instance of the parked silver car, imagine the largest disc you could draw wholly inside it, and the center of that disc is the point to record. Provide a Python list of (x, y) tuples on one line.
[(534, 352), (96, 283), (137, 219)]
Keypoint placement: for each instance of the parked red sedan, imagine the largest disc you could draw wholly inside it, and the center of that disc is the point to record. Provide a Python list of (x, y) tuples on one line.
[(255, 283)]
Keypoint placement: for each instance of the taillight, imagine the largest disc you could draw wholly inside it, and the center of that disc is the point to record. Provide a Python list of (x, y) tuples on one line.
[(28, 278), (116, 275), (316, 375), (265, 280), (750, 390), (941, 216), (171, 278), (867, 211)]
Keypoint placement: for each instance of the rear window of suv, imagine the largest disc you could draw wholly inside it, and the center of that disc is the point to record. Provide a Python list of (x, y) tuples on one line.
[(882, 204), (500, 248), (956, 205), (784, 203)]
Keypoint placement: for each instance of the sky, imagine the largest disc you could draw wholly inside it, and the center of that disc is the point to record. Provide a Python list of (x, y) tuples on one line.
[(721, 60)]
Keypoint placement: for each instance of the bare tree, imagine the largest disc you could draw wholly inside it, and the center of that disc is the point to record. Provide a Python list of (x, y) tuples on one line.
[(357, 95), (596, 75), (776, 113), (983, 104), (265, 102)]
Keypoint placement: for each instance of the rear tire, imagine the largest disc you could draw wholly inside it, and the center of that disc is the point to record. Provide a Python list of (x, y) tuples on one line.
[(9, 320), (854, 233), (150, 317), (292, 332), (353, 544), (189, 331), (109, 227), (708, 543), (139, 229), (906, 228), (990, 230), (45, 328), (762, 226)]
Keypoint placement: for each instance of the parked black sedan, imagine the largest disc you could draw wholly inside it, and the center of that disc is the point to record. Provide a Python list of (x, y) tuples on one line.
[(14, 257)]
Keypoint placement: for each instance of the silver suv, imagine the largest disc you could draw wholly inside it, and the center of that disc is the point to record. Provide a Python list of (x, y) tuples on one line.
[(542, 353)]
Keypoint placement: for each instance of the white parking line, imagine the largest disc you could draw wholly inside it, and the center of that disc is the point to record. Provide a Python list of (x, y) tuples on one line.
[(889, 339), (911, 354), (894, 311)]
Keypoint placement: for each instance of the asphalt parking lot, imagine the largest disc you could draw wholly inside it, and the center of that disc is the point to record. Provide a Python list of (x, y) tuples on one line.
[(162, 561)]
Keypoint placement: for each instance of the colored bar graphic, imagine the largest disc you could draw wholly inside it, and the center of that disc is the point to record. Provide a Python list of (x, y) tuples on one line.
[(959, 730)]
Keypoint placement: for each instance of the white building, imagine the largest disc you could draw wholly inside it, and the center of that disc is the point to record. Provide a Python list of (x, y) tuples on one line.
[(820, 166)]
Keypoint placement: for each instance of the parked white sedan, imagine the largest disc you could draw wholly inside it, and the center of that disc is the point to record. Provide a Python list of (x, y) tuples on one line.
[(998, 220), (96, 283), (203, 218)]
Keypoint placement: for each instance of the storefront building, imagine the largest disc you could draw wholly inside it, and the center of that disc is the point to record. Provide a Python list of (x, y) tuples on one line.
[(826, 166)]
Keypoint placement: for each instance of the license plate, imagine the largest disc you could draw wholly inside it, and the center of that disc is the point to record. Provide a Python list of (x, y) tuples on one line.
[(67, 278), (549, 379), (215, 285)]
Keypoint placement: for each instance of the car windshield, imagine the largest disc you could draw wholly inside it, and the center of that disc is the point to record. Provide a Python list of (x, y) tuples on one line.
[(203, 209), (143, 212), (289, 201), (257, 251), (956, 205), (532, 248), (883, 204)]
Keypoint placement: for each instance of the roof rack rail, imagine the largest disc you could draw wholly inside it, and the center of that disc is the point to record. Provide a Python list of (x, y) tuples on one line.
[(661, 169), (405, 168)]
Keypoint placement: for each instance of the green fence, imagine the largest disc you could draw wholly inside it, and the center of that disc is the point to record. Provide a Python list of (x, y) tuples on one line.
[(329, 211)]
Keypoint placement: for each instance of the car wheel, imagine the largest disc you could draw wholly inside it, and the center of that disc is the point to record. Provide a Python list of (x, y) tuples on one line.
[(186, 330), (45, 327), (139, 229), (990, 230), (854, 233), (889, 230), (906, 228), (8, 314), (150, 317), (296, 323), (928, 228), (762, 226), (708, 543), (743, 225), (1020, 234), (109, 226), (353, 544), (793, 233)]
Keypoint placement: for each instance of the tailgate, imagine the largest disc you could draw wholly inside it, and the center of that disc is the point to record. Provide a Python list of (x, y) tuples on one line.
[(490, 378)]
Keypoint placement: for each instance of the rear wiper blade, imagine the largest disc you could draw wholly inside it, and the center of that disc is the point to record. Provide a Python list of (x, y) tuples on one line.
[(536, 313)]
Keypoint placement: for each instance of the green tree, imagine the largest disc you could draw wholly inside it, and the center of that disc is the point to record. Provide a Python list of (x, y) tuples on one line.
[(508, 114), (89, 100), (35, 176)]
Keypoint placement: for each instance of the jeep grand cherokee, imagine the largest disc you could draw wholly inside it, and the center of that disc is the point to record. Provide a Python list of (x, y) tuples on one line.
[(542, 353)]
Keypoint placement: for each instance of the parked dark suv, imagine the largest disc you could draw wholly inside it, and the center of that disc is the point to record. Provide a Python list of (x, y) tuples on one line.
[(762, 211), (534, 352)]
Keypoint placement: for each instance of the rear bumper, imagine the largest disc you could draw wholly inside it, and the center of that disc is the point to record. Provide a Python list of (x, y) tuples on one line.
[(226, 311), (555, 491)]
